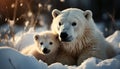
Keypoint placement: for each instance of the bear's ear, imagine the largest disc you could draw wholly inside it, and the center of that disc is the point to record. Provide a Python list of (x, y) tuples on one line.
[(55, 13), (88, 14), (36, 37)]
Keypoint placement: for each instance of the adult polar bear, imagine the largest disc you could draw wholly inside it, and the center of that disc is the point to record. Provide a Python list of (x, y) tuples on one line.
[(79, 35)]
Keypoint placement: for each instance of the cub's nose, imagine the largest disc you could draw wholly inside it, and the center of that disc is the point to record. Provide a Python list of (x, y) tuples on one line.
[(63, 35), (46, 51)]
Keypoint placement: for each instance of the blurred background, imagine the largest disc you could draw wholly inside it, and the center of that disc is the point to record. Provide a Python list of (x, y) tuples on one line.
[(15, 14)]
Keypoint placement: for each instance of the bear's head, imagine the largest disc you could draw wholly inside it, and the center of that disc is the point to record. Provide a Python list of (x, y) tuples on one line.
[(70, 23), (46, 42)]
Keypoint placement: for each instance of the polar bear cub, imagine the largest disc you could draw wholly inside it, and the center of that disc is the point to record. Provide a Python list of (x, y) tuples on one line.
[(45, 47)]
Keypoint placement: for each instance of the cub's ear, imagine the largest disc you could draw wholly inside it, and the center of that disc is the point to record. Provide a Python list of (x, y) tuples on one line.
[(88, 14), (36, 37), (55, 13)]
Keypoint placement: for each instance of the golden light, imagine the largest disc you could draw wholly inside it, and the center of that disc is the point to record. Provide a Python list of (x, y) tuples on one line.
[(17, 19), (29, 14), (49, 7), (26, 23), (62, 0), (12, 5), (39, 5), (21, 4)]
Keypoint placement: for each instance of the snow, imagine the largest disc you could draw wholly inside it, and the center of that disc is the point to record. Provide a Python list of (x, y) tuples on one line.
[(90, 63), (114, 39), (95, 63), (113, 63), (4, 42), (24, 40), (57, 66), (12, 59)]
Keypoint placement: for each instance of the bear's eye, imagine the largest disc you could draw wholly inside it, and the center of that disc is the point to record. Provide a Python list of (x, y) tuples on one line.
[(60, 23), (41, 43), (50, 43), (74, 23)]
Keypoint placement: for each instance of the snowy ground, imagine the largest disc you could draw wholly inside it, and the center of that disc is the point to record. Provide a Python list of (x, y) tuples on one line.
[(12, 59)]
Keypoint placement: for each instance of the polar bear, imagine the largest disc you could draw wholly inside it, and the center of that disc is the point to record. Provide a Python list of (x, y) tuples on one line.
[(79, 35), (45, 47)]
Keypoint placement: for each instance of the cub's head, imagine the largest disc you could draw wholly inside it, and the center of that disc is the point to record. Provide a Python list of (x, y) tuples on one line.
[(46, 42), (70, 23)]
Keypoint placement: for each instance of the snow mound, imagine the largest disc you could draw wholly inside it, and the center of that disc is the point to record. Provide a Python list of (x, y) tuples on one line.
[(113, 63), (24, 40), (95, 63), (57, 66), (90, 63), (114, 39), (12, 59)]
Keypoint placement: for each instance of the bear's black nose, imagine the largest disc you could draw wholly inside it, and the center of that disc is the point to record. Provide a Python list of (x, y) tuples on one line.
[(46, 51), (63, 35)]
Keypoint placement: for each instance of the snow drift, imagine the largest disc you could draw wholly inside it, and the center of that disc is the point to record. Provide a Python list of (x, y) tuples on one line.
[(114, 39), (12, 59)]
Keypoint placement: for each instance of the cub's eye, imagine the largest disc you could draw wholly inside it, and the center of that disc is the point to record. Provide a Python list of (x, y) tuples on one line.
[(60, 23), (74, 24), (50, 43), (41, 43)]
